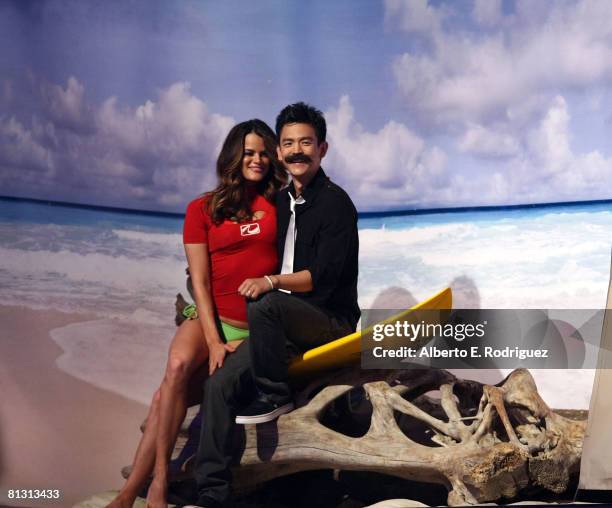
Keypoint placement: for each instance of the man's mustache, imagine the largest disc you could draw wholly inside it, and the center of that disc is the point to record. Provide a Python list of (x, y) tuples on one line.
[(298, 157)]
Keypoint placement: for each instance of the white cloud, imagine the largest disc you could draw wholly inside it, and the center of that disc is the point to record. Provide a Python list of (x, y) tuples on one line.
[(550, 143), (19, 148), (158, 154), (177, 123), (490, 142), (390, 167), (548, 169), (395, 167), (415, 16), (66, 107), (499, 89), (175, 129), (470, 76)]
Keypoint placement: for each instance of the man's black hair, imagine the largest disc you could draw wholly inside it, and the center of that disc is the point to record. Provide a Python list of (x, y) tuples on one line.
[(301, 112)]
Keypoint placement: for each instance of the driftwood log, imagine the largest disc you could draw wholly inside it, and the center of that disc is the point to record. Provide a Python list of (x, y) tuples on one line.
[(482, 442)]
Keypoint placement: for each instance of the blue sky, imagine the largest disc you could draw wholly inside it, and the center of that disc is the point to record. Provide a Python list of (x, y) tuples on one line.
[(429, 104)]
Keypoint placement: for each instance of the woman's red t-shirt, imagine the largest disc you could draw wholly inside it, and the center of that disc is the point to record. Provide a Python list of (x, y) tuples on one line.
[(238, 251)]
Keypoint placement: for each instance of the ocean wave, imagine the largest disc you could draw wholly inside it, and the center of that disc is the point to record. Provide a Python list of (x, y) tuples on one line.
[(103, 284), (122, 271), (91, 239), (168, 239), (549, 261)]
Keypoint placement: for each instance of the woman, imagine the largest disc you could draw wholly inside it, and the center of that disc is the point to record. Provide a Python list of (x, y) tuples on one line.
[(229, 235)]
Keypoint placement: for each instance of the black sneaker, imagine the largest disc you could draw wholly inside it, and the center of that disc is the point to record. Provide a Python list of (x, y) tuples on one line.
[(263, 410)]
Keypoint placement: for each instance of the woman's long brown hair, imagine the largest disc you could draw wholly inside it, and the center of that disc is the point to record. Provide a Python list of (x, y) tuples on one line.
[(230, 199)]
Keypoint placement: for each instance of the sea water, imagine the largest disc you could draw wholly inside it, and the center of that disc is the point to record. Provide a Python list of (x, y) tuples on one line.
[(125, 268)]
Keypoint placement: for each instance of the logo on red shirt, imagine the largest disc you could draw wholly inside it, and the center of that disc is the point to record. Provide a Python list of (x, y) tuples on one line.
[(249, 229)]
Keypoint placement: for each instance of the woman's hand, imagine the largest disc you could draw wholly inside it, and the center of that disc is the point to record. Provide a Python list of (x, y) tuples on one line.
[(216, 356), (231, 347), (254, 288), (217, 353)]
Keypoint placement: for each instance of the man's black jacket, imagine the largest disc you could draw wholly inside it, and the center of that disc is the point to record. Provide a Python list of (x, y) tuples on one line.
[(327, 244)]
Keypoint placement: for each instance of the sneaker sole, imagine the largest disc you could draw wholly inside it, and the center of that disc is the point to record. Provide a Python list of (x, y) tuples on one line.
[(267, 417)]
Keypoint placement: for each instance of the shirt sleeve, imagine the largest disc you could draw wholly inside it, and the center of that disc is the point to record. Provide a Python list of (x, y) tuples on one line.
[(336, 241), (197, 223)]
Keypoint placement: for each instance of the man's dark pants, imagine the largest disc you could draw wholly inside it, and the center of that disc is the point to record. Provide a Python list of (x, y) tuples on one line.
[(281, 325)]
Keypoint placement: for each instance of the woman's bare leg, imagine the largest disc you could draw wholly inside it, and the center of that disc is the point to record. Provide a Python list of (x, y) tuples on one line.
[(143, 460), (188, 351), (187, 354)]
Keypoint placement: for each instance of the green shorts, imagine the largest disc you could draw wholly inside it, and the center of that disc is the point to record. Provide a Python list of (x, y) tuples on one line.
[(228, 331), (233, 332)]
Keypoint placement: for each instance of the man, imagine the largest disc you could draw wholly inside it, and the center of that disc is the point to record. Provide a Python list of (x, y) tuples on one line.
[(312, 301), (317, 232)]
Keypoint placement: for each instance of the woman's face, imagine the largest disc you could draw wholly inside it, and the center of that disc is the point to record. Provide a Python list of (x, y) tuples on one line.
[(255, 159)]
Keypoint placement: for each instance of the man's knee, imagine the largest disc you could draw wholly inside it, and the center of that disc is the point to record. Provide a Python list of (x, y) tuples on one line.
[(225, 381), (218, 383)]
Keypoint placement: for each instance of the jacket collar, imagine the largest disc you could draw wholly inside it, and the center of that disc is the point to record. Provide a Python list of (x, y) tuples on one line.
[(314, 186)]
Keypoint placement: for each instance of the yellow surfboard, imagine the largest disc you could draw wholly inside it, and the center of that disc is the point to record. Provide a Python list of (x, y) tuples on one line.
[(346, 350)]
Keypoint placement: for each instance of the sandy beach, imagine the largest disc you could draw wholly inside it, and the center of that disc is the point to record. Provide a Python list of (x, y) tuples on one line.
[(56, 432)]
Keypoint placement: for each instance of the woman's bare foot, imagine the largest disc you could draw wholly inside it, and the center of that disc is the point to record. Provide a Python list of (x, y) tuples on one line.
[(158, 492)]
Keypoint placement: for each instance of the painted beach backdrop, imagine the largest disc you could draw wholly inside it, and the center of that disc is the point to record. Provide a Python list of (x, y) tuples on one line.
[(125, 268), (429, 104)]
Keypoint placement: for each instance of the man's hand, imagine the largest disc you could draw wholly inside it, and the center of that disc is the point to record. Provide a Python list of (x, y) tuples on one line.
[(254, 288)]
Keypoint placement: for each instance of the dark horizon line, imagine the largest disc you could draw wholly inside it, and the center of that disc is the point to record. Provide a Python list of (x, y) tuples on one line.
[(365, 215)]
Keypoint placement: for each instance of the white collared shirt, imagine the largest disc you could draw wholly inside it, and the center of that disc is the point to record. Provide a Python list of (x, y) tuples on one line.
[(289, 250)]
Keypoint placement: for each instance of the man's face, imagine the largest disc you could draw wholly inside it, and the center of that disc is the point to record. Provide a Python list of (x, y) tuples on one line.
[(300, 150)]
